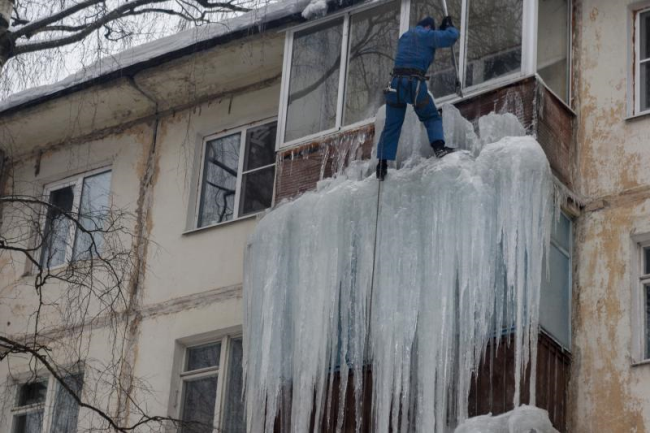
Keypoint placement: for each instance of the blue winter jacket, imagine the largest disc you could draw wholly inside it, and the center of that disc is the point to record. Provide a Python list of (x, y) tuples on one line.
[(417, 46)]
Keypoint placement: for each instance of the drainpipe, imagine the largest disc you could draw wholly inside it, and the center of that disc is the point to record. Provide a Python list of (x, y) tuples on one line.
[(132, 315)]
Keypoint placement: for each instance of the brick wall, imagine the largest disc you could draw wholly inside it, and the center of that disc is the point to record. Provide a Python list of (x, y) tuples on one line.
[(300, 168)]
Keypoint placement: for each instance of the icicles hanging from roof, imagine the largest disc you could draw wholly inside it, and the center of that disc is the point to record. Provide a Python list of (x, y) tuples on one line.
[(459, 248)]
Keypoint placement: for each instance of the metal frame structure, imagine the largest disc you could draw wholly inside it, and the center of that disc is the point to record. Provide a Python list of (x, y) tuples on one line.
[(528, 62)]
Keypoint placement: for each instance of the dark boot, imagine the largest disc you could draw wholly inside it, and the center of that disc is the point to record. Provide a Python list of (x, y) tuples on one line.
[(440, 150), (382, 169)]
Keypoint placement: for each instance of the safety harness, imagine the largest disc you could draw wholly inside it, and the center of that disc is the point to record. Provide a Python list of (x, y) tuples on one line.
[(411, 74)]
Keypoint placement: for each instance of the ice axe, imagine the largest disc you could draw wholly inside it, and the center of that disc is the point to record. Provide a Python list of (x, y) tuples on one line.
[(459, 87)]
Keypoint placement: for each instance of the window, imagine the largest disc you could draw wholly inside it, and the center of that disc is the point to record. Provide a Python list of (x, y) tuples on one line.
[(38, 410), (336, 69), (555, 302), (86, 198), (644, 278), (553, 45), (212, 385), (238, 174), (642, 57)]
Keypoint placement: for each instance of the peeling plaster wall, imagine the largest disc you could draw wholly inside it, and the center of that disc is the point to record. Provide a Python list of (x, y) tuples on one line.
[(608, 393)]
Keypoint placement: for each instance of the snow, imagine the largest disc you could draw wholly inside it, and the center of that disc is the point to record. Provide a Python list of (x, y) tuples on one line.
[(315, 9), (159, 47), (524, 419), (414, 279)]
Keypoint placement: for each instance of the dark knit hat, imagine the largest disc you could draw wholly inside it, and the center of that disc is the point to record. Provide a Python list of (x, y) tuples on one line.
[(427, 22)]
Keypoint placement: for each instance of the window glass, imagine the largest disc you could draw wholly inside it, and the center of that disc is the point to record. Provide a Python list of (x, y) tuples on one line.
[(442, 72), (555, 302), (494, 32), (93, 211), (644, 60), (234, 408), (647, 321), (66, 409), (314, 78), (32, 393), (57, 227), (646, 260), (259, 170), (260, 146), (199, 399), (372, 45), (203, 356), (31, 422), (257, 191), (552, 45), (219, 180)]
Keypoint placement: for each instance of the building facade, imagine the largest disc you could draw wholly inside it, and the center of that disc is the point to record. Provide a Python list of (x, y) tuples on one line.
[(188, 140)]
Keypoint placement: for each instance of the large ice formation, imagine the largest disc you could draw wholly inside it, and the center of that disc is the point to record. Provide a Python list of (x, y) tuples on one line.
[(411, 277)]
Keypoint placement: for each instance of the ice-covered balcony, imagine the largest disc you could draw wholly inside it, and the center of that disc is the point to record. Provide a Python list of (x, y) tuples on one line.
[(337, 64), (514, 57)]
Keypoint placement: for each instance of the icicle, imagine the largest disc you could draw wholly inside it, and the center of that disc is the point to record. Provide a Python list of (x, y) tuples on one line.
[(459, 248)]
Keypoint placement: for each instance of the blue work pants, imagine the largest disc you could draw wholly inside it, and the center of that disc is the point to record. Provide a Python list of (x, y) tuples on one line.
[(407, 90)]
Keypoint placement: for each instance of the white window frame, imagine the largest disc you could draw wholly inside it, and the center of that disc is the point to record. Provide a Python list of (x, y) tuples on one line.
[(636, 50), (640, 280), (528, 63), (242, 131), (77, 182), (47, 406), (221, 371)]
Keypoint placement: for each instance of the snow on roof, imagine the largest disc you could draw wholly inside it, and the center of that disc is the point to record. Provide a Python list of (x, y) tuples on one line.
[(153, 49)]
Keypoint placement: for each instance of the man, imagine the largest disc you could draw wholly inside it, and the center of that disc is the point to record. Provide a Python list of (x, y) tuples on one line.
[(415, 52)]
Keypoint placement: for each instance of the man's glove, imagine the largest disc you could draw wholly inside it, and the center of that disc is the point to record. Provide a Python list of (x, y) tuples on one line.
[(446, 23)]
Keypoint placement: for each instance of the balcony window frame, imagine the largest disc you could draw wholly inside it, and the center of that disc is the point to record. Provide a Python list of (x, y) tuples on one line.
[(242, 130), (77, 183), (528, 63)]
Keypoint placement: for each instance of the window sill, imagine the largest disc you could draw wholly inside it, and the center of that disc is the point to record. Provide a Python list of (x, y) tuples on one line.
[(225, 223), (641, 363), (637, 116)]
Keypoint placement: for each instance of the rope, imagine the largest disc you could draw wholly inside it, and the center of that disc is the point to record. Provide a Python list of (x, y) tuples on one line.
[(372, 283)]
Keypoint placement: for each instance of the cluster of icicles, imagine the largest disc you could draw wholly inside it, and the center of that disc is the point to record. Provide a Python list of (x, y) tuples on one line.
[(410, 283)]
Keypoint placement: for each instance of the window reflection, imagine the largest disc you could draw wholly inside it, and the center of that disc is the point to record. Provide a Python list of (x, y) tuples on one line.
[(442, 72), (219, 180), (93, 211), (373, 42), (552, 45), (57, 227), (314, 84), (494, 30)]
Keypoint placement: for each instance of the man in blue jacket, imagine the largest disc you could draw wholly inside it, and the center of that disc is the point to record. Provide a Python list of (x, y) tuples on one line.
[(415, 52)]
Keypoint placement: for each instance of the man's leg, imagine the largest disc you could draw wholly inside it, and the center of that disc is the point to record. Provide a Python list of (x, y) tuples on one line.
[(395, 111), (428, 114)]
